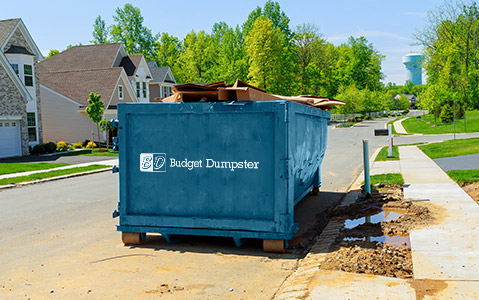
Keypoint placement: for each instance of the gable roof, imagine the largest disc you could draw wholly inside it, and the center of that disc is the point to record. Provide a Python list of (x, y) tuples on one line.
[(130, 63), (6, 28), (77, 85), (158, 73), (89, 57)]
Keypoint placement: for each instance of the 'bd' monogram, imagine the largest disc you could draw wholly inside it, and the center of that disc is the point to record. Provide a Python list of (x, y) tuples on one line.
[(153, 162)]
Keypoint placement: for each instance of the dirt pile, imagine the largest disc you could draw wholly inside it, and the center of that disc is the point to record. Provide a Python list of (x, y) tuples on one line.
[(472, 189), (375, 235)]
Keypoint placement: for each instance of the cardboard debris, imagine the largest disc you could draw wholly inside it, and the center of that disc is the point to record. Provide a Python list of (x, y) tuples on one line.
[(239, 91)]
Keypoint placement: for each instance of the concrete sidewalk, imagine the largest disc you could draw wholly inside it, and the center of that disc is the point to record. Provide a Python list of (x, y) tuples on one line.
[(110, 162), (398, 126), (445, 254)]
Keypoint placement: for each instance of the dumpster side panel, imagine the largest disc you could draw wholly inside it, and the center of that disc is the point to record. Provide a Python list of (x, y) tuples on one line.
[(219, 166), (307, 143)]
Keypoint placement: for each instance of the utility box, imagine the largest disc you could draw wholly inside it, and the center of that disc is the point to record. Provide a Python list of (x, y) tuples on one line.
[(234, 169)]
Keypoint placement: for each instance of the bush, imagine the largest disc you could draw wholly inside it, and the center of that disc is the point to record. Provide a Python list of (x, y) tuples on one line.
[(446, 114), (50, 147), (62, 146), (89, 145), (405, 112), (38, 149), (78, 145)]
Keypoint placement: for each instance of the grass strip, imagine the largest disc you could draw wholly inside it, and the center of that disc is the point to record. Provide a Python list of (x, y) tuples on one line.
[(425, 124), (451, 148), (87, 152), (387, 179), (10, 168), (50, 174), (464, 176), (383, 154)]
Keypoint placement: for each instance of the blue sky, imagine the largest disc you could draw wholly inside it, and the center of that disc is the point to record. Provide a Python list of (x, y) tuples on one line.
[(387, 24)]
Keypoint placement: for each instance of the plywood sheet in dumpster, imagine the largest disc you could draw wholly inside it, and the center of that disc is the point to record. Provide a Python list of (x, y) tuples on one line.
[(206, 173)]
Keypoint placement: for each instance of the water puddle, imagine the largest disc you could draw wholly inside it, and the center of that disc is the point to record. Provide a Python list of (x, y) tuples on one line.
[(385, 214), (394, 240)]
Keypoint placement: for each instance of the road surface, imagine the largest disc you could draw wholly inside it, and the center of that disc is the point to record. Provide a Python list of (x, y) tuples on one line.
[(58, 241)]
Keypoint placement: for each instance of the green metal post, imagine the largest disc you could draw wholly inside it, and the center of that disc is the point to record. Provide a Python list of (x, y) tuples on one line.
[(367, 181)]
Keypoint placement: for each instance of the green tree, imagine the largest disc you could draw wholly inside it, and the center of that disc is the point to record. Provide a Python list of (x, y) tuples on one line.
[(95, 110), (52, 53), (129, 30), (100, 31), (167, 50), (264, 49)]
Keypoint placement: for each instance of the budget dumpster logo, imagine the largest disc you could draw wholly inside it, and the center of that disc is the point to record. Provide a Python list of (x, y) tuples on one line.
[(153, 162)]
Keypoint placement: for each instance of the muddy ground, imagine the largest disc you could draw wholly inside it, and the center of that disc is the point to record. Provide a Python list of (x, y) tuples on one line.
[(472, 188), (375, 235)]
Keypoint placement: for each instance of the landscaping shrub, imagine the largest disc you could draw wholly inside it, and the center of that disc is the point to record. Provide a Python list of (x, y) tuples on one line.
[(38, 149), (459, 111), (78, 145), (50, 147), (89, 145), (62, 146), (446, 114), (405, 112)]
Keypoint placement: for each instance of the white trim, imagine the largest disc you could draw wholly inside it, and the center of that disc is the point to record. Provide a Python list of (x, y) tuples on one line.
[(13, 76), (113, 93), (171, 74), (13, 118), (60, 95)]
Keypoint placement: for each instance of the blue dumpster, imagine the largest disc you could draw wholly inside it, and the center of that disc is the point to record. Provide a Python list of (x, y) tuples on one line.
[(232, 169)]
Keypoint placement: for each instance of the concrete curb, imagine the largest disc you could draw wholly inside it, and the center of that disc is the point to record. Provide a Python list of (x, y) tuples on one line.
[(9, 186)]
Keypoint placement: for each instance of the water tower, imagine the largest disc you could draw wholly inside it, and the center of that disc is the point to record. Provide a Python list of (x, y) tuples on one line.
[(413, 61)]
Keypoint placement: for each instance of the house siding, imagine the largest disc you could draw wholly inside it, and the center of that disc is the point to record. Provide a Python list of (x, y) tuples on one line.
[(12, 104), (126, 96), (63, 120), (155, 92)]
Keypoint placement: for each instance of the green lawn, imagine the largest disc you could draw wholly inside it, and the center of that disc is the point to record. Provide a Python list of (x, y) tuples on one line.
[(463, 176), (383, 154), (9, 168), (87, 152), (50, 174), (392, 123), (387, 179), (451, 148), (425, 125)]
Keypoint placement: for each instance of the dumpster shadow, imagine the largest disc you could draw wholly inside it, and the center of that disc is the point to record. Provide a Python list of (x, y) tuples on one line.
[(312, 214)]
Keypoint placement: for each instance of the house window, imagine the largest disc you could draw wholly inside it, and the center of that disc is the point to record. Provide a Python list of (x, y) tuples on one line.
[(138, 90), (32, 127), (28, 73), (15, 68), (120, 92), (144, 89), (166, 90)]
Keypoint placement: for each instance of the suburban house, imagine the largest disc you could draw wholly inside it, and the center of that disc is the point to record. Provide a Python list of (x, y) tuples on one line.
[(162, 81), (20, 109), (68, 78), (411, 97)]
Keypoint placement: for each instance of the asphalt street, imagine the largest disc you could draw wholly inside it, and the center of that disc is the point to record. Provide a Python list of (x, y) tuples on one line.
[(58, 240)]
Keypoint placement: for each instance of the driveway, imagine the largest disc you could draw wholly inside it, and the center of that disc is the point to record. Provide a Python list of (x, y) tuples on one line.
[(463, 162)]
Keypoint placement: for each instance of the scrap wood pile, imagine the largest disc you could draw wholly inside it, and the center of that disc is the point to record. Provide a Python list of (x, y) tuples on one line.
[(239, 91)]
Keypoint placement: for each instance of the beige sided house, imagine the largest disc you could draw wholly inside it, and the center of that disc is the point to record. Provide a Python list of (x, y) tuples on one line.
[(20, 110), (69, 77), (162, 81)]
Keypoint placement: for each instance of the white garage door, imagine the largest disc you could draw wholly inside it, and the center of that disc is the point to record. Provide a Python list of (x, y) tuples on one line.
[(10, 138)]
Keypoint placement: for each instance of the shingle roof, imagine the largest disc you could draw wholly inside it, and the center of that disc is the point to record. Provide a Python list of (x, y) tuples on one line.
[(78, 85), (89, 57), (6, 28), (130, 63), (19, 50), (158, 73)]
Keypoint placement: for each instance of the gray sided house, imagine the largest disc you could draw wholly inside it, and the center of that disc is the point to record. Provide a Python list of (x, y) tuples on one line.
[(20, 109), (162, 81), (69, 77)]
